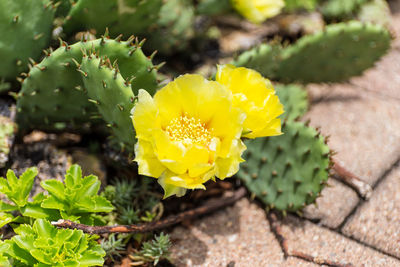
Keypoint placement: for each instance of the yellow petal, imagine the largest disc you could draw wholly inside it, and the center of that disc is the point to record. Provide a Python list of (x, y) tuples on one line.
[(149, 164), (144, 115), (255, 96), (226, 167), (258, 11)]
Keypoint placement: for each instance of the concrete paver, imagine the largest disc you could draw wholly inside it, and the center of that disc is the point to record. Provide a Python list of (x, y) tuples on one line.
[(335, 203), (306, 237), (358, 123), (377, 221), (239, 234)]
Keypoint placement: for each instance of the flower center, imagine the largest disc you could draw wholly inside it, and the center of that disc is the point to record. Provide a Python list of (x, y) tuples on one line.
[(189, 131)]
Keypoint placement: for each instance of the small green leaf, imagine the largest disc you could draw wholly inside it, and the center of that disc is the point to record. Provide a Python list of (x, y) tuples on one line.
[(53, 203), (7, 207), (34, 210), (17, 190), (54, 187), (5, 218)]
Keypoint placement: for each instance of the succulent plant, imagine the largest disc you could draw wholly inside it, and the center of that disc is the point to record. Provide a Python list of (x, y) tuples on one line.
[(44, 245), (376, 12), (340, 9), (25, 31), (294, 99), (53, 93), (336, 54), (293, 5), (77, 197), (112, 95), (174, 27), (119, 16), (264, 58), (287, 172)]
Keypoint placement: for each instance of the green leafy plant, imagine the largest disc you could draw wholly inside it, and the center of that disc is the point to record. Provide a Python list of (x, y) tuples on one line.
[(134, 201), (153, 251), (113, 245), (3, 258), (76, 198), (44, 245)]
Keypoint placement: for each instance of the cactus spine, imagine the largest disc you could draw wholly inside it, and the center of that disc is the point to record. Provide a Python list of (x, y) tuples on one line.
[(25, 30), (289, 171)]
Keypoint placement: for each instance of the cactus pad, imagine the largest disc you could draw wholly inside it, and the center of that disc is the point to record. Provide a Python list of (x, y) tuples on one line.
[(264, 58), (289, 171), (120, 16), (336, 54), (25, 30), (53, 93), (112, 95), (340, 9), (294, 99), (174, 27)]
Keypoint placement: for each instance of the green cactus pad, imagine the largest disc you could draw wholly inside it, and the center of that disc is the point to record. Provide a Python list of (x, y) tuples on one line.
[(340, 9), (120, 16), (213, 7), (289, 171), (112, 95), (293, 5), (336, 54), (264, 58), (174, 27), (53, 93), (294, 99), (25, 30), (376, 12)]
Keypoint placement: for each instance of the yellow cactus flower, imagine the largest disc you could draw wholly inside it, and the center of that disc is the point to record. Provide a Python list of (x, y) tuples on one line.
[(257, 11), (188, 134), (255, 95)]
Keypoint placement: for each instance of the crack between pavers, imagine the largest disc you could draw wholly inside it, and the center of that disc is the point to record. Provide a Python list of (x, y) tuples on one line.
[(283, 243), (374, 186)]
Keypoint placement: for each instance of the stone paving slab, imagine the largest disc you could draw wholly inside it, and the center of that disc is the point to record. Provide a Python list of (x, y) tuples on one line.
[(239, 234), (358, 123), (377, 222), (383, 81), (335, 203), (306, 237)]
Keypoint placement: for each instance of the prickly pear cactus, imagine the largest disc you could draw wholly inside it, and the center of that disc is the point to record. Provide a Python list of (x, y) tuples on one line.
[(213, 7), (336, 54), (25, 30), (340, 9), (64, 7), (339, 52), (174, 27), (289, 171), (294, 99), (112, 95), (293, 5), (120, 16), (376, 12), (53, 94), (264, 58)]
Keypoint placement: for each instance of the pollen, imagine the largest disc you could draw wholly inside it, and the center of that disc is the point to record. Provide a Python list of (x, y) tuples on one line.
[(189, 130)]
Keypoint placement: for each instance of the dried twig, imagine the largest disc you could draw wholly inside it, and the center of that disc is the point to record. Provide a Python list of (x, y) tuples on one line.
[(344, 175), (148, 227), (283, 242)]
